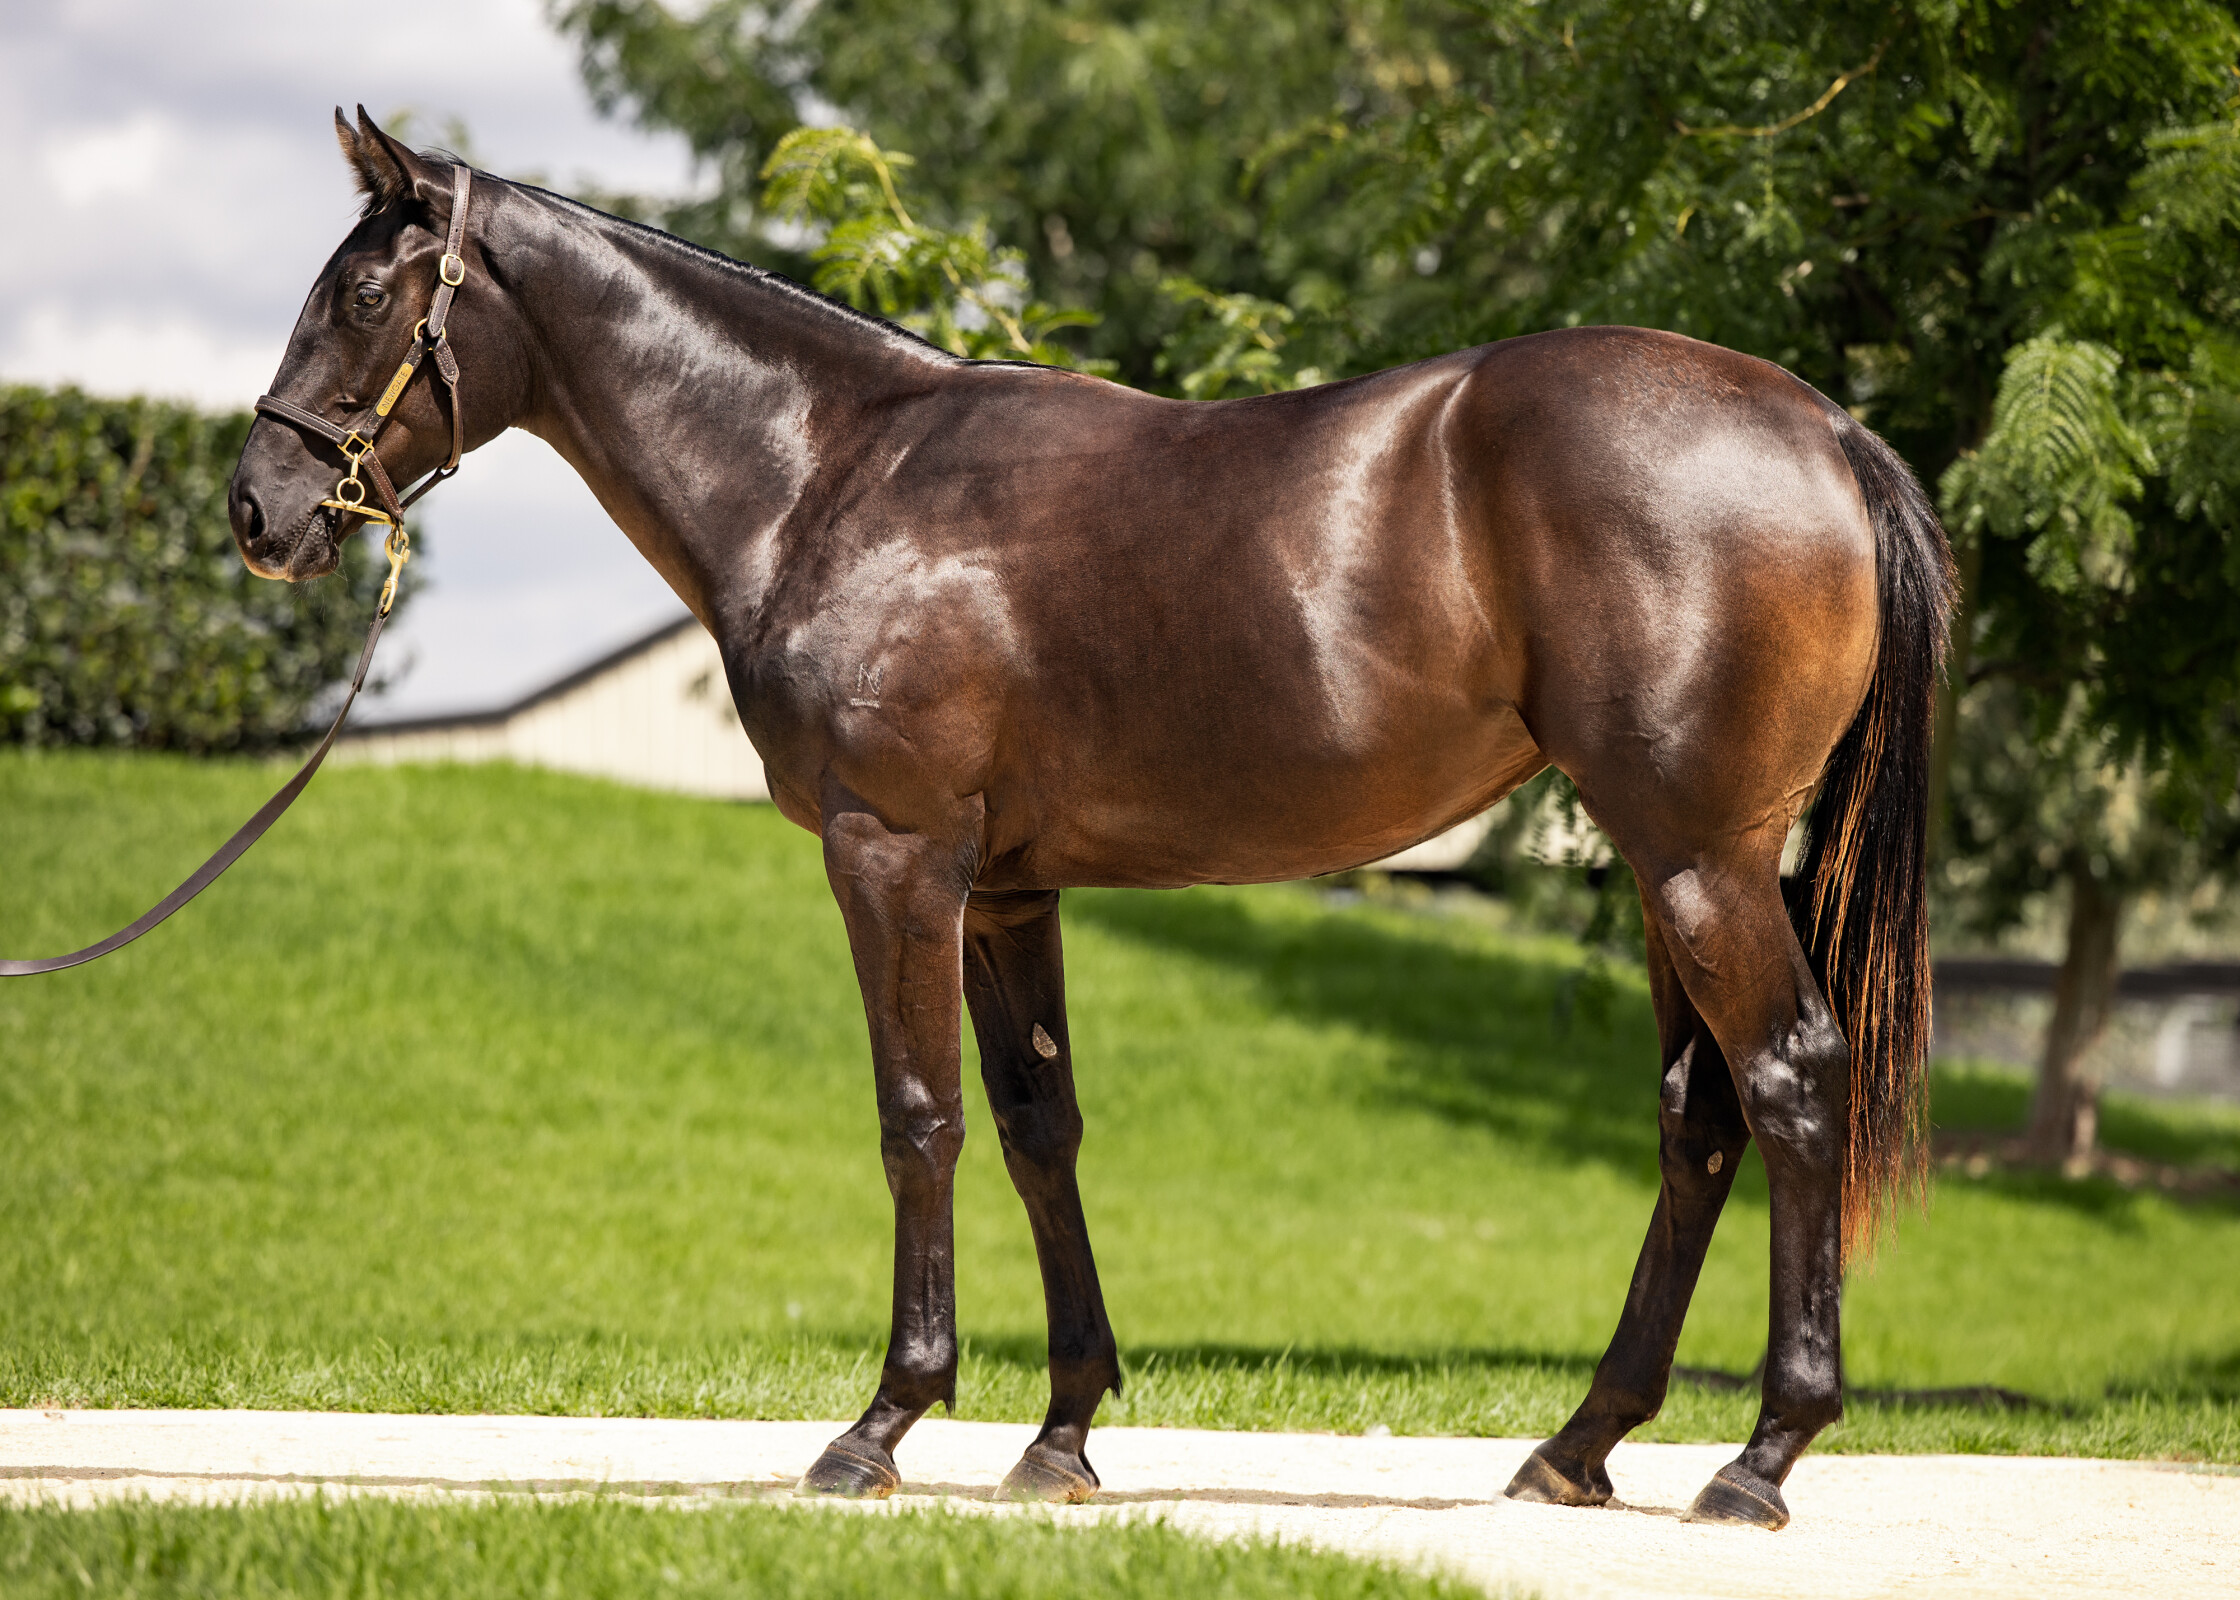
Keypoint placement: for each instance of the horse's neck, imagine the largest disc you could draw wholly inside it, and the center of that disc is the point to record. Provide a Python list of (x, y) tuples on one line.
[(692, 394)]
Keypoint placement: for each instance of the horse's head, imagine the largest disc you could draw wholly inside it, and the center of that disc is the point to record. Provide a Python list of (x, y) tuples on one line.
[(357, 326)]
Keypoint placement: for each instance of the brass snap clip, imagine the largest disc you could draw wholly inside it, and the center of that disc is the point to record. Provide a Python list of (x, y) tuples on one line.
[(398, 548)]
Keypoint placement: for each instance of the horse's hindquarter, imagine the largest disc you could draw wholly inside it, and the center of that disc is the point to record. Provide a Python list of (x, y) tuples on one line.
[(1687, 552), (1167, 643)]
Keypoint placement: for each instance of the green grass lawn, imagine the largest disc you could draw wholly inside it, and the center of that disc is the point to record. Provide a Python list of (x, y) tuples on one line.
[(492, 1090), (612, 1550)]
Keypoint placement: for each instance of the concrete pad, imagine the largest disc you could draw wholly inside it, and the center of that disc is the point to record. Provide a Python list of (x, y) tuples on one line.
[(1864, 1525)]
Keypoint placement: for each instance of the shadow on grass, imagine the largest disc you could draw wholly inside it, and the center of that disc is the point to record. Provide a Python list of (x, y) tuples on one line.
[(1476, 1040), (2202, 1378), (1334, 1362), (1529, 1393), (1476, 1032)]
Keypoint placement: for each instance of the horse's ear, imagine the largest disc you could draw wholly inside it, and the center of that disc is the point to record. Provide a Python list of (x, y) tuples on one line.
[(386, 170)]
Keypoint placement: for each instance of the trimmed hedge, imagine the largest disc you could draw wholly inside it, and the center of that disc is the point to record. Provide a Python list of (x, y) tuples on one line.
[(126, 616)]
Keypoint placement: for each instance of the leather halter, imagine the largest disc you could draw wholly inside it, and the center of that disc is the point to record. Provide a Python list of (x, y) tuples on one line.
[(356, 443), (356, 440)]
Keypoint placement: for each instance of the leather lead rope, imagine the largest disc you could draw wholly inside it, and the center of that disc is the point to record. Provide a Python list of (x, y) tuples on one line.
[(357, 449), (228, 853)]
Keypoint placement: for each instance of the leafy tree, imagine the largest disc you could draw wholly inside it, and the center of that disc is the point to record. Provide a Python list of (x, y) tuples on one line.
[(1228, 344), (127, 617), (1114, 142), (955, 288), (2102, 500)]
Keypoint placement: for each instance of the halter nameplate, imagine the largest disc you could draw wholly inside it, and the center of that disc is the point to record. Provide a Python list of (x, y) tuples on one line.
[(396, 387)]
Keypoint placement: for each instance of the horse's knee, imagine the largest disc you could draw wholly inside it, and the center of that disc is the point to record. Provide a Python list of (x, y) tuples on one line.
[(920, 1133)]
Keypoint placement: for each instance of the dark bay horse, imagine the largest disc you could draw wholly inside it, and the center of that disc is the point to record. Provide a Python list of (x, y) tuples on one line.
[(998, 629)]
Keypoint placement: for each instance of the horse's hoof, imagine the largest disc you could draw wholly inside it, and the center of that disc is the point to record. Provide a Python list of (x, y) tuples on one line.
[(853, 1471), (1541, 1482), (1740, 1498), (1045, 1475)]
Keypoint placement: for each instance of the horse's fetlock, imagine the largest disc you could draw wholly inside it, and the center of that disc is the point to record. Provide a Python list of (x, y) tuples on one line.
[(1095, 1373), (1625, 1409), (920, 1371), (1811, 1412), (1804, 1393)]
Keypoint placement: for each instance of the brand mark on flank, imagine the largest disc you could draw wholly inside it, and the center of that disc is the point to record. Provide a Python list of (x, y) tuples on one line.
[(869, 680)]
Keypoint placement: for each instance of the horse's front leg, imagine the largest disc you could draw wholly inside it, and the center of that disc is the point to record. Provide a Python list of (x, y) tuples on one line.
[(1014, 977), (902, 895)]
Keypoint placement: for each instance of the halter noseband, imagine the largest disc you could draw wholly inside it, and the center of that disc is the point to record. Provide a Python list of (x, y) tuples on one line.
[(356, 441)]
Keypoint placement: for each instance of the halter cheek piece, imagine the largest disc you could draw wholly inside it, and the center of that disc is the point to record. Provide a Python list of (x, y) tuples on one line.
[(356, 444), (356, 441)]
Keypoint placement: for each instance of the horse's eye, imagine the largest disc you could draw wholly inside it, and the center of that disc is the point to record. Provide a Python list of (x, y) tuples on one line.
[(370, 295)]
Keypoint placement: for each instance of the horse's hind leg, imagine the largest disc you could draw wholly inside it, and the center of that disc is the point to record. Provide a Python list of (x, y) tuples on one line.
[(1014, 980), (1734, 948), (1701, 1137), (902, 895)]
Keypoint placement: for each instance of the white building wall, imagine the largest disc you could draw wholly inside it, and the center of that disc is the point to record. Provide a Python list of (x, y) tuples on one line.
[(384, 749), (661, 718)]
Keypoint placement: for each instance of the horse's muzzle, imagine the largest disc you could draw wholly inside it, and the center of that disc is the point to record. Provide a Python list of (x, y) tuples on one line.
[(310, 548)]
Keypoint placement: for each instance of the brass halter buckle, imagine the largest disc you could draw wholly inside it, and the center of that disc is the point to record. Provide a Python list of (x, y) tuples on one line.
[(350, 490)]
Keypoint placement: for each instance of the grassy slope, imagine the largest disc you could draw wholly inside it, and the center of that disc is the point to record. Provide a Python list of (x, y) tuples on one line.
[(607, 1550), (496, 1090)]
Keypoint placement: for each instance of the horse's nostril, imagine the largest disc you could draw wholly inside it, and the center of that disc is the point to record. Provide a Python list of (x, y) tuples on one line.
[(248, 517)]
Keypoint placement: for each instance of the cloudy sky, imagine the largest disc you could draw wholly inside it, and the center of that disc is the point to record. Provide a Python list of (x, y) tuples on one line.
[(172, 186)]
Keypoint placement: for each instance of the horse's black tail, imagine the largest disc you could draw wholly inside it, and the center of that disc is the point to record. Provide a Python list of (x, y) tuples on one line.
[(1864, 914)]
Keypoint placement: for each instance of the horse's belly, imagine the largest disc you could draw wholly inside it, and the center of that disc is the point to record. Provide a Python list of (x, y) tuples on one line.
[(1260, 812)]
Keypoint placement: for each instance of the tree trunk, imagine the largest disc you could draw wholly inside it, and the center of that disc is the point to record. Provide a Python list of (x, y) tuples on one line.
[(2065, 1116)]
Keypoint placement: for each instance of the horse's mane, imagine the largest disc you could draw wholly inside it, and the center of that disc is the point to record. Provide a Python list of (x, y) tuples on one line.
[(762, 277)]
